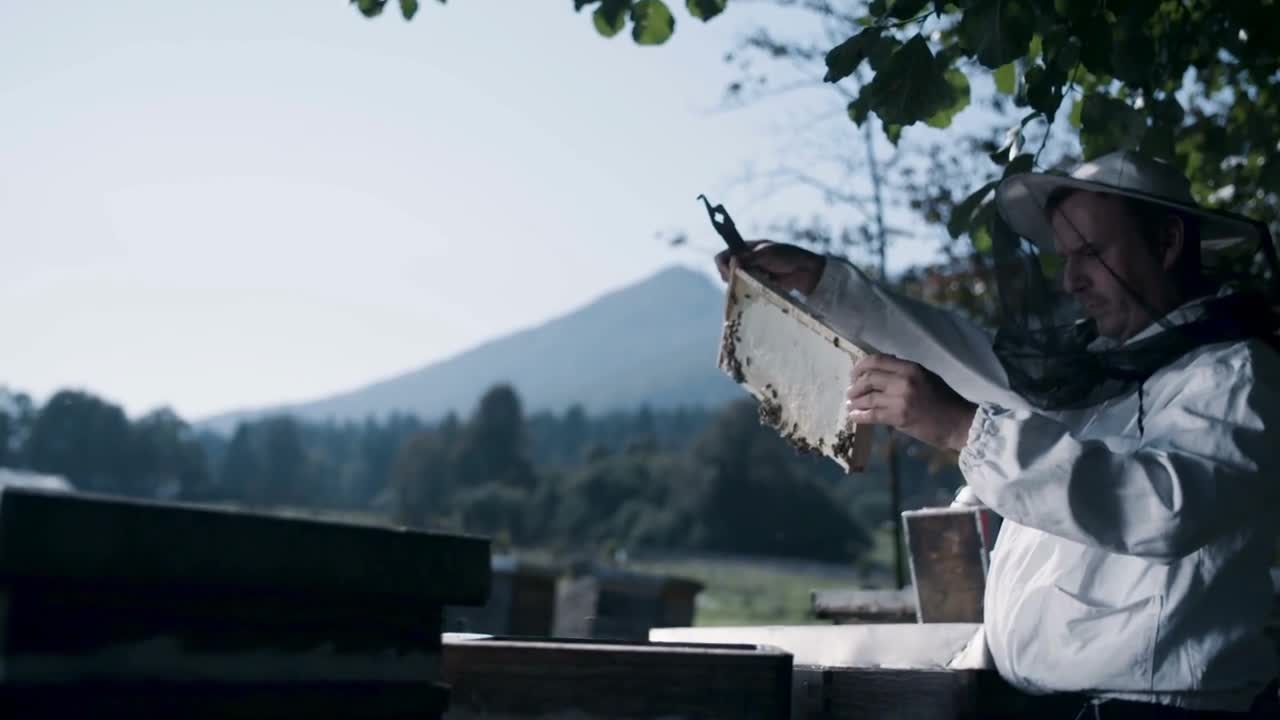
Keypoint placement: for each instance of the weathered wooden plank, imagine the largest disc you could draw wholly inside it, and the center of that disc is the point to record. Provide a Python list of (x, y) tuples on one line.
[(998, 700), (612, 603), (865, 606), (357, 701), (825, 693), (908, 672), (797, 366), (855, 693), (70, 633), (866, 693), (506, 678), (522, 601), (74, 537)]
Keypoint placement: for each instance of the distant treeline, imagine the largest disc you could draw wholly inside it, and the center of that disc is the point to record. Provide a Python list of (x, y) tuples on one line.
[(693, 479)]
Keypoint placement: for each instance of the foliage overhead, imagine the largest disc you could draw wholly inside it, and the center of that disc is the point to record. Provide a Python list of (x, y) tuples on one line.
[(1196, 82), (1192, 82), (374, 8)]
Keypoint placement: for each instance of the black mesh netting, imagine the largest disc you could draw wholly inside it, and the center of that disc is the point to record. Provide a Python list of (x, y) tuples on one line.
[(1054, 355)]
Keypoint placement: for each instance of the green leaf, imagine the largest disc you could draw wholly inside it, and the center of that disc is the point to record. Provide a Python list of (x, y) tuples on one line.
[(1133, 55), (960, 92), (1158, 142), (980, 234), (1044, 89), (579, 4), (1108, 124), (408, 8), (906, 9), (843, 60), (912, 86), (370, 8), (1001, 155), (1078, 13), (1076, 109), (1095, 50), (997, 31), (704, 10), (893, 132), (609, 18), (1006, 77), (1066, 52), (1013, 142), (881, 51), (964, 210), (878, 8), (858, 109), (1168, 111), (1269, 178), (652, 22), (1133, 51), (980, 227), (1024, 163)]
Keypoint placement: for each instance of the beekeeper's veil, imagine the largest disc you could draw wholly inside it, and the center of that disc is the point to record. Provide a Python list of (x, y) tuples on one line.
[(1051, 349)]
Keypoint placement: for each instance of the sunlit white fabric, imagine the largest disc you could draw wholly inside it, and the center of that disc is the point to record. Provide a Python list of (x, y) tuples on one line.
[(1127, 566)]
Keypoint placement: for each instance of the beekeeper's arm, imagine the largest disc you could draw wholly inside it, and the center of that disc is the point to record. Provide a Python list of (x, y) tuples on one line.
[(1206, 463), (944, 342)]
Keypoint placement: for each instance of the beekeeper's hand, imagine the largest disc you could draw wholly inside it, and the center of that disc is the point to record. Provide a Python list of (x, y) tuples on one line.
[(788, 266), (887, 390)]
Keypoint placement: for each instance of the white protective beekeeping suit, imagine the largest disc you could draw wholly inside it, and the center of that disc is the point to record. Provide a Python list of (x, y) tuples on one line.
[(1129, 565)]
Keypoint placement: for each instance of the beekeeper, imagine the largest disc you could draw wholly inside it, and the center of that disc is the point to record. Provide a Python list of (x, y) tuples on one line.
[(1133, 449)]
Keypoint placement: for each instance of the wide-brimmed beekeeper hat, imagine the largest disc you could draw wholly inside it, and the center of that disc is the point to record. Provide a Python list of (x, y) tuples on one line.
[(1022, 199), (1049, 346)]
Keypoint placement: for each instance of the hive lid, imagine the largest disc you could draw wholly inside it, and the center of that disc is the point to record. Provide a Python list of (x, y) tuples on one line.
[(59, 536)]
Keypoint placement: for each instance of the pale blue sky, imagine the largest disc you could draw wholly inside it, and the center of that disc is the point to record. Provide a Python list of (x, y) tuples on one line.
[(220, 205)]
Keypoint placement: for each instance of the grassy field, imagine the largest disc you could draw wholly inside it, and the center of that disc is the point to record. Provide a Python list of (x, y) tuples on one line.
[(741, 592), (737, 591), (751, 591)]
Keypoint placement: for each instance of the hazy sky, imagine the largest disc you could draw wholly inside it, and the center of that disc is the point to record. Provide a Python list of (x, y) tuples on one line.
[(230, 204)]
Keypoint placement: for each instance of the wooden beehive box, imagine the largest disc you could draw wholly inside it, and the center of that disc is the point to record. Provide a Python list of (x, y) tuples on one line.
[(864, 606), (522, 601), (623, 605), (842, 693), (948, 548), (909, 671), (798, 368), (558, 678), (145, 609), (379, 700)]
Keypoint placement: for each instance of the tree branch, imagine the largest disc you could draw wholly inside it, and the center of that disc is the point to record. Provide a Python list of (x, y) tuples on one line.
[(800, 177)]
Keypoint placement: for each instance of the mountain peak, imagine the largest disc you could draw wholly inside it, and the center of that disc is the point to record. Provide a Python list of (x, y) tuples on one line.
[(679, 279), (651, 342), (679, 275)]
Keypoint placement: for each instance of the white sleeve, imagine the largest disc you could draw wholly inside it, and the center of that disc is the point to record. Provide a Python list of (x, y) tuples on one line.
[(943, 342), (1206, 464), (966, 498)]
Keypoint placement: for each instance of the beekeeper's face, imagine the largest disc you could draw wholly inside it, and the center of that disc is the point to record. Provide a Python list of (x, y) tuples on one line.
[(1111, 267)]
